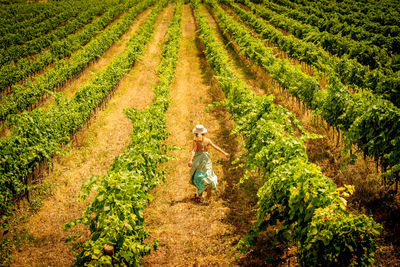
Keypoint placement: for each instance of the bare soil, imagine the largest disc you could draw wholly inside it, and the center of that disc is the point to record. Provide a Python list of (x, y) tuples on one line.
[(96, 66), (192, 233), (98, 146), (370, 196)]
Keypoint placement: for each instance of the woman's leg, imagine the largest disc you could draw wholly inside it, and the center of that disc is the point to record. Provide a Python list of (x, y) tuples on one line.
[(209, 192)]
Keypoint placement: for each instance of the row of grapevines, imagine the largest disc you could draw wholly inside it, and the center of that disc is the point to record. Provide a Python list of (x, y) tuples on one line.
[(115, 216), (363, 52), (71, 9), (13, 73), (310, 208), (349, 72), (15, 17), (288, 76), (16, 52), (31, 91), (380, 12), (367, 121), (356, 27), (12, 1), (38, 135)]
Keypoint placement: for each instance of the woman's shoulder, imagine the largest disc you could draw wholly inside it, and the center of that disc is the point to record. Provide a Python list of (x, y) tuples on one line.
[(207, 140)]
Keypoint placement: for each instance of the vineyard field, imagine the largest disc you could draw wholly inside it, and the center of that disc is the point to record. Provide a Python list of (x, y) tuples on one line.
[(98, 100)]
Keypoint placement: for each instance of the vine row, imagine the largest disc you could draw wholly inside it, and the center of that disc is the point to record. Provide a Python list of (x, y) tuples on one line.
[(357, 25), (312, 211), (118, 235), (12, 73), (364, 53), (367, 121), (71, 9), (30, 92), (38, 135), (349, 72), (16, 52), (20, 15)]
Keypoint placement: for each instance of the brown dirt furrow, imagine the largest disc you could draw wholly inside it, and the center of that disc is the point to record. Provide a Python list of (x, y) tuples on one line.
[(96, 66), (239, 66), (192, 233), (90, 71), (99, 144), (326, 152)]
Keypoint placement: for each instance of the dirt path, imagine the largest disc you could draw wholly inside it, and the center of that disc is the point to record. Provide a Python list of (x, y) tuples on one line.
[(101, 142), (324, 152), (96, 66), (239, 66), (191, 233)]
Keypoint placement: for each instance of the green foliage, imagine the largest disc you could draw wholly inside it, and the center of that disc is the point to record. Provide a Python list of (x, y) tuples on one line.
[(59, 15), (30, 92), (311, 40), (16, 64), (374, 130), (14, 17), (334, 39), (37, 135), (336, 238), (295, 190), (115, 216)]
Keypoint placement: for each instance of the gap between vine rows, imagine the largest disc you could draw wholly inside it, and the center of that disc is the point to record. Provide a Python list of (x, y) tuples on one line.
[(324, 152), (191, 233), (106, 138), (72, 85)]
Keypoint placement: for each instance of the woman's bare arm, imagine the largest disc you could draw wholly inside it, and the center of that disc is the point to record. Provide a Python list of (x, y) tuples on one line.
[(218, 148), (190, 163)]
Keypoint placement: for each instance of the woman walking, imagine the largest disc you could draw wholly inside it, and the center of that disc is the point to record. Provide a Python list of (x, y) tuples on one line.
[(201, 172)]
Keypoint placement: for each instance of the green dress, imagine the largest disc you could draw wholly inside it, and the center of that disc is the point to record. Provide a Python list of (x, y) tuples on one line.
[(201, 173)]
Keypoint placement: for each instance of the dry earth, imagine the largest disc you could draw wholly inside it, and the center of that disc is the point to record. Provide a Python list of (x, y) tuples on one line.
[(100, 144), (189, 233), (192, 233)]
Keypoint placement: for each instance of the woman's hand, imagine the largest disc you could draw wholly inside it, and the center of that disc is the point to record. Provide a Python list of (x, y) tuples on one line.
[(227, 155), (190, 164)]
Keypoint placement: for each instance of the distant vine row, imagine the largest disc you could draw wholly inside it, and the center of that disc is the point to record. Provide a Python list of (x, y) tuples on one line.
[(14, 72), (364, 52), (38, 135), (16, 52), (366, 120), (310, 208), (348, 71), (71, 9), (30, 92), (358, 26), (122, 194)]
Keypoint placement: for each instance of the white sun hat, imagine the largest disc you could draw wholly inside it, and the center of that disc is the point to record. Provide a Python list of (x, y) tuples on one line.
[(199, 129)]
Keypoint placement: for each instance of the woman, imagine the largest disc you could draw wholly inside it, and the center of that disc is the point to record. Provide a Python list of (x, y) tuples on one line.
[(201, 172)]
